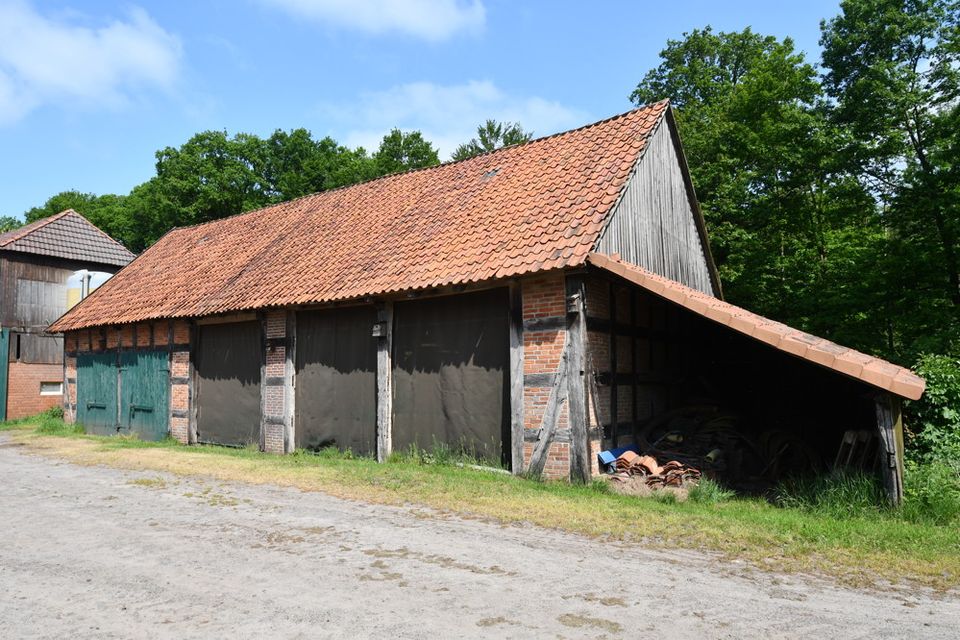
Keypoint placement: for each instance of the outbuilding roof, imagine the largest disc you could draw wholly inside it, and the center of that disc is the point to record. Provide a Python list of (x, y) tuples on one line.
[(66, 235), (518, 210), (874, 371)]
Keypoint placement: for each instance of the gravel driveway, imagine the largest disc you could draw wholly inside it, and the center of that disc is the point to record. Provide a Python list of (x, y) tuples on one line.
[(99, 552)]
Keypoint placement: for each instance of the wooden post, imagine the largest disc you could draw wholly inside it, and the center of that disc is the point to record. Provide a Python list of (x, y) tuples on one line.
[(516, 377), (262, 318), (192, 404), (289, 385), (890, 426), (614, 405), (635, 423), (385, 382), (576, 387)]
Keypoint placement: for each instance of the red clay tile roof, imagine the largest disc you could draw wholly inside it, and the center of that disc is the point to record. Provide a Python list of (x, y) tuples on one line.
[(519, 210), (66, 235), (873, 371)]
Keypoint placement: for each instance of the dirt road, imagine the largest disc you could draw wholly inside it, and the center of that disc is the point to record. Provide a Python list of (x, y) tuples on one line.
[(97, 552)]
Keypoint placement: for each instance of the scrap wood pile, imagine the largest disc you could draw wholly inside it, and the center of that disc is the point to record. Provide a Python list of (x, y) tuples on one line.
[(629, 464), (704, 439)]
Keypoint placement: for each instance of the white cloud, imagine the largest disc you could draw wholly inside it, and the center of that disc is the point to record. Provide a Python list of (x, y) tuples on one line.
[(46, 60), (427, 19), (446, 115)]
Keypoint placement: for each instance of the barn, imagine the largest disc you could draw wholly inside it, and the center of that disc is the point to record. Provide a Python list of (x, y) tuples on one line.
[(45, 266), (533, 306)]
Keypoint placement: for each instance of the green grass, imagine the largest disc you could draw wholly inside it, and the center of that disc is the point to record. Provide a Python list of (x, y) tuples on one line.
[(855, 543), (49, 422)]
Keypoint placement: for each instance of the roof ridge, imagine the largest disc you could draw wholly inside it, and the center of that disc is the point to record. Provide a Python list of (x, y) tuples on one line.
[(651, 106), (36, 225), (102, 232)]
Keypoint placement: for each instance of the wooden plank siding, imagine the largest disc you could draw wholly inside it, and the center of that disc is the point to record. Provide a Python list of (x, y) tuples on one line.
[(655, 223)]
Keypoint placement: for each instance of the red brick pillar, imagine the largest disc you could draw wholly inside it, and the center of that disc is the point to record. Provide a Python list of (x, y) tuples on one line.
[(544, 336), (274, 417), (181, 383)]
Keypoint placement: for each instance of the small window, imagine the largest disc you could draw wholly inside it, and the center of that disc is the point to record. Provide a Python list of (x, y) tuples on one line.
[(51, 388)]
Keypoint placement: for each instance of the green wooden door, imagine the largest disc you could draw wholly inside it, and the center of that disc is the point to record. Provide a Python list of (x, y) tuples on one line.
[(97, 392), (144, 393), (4, 361)]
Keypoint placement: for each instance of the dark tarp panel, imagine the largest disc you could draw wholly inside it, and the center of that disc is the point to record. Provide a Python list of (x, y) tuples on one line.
[(451, 373), (228, 383), (336, 393)]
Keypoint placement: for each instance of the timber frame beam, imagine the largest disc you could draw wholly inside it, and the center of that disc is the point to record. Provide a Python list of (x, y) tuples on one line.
[(384, 381), (576, 380)]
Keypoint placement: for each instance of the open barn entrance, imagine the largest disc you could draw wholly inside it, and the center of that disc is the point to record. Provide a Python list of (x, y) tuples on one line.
[(228, 383), (450, 373), (673, 384)]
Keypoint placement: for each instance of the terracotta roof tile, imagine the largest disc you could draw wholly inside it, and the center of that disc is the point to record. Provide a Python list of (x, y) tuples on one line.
[(526, 208), (873, 371)]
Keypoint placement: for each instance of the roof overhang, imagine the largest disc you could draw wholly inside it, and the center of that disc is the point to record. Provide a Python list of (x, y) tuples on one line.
[(872, 371)]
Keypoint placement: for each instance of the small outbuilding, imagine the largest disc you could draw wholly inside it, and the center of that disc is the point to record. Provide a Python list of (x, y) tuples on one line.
[(533, 306), (45, 267)]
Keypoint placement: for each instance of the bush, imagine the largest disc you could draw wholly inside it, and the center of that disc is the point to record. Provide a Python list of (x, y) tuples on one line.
[(931, 492), (933, 421)]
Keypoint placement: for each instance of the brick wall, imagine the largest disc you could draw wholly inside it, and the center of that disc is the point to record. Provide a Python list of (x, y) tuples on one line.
[(177, 334), (275, 419), (544, 302), (23, 388)]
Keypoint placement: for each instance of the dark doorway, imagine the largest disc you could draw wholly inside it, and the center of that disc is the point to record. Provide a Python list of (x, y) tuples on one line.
[(450, 372), (336, 393), (228, 383)]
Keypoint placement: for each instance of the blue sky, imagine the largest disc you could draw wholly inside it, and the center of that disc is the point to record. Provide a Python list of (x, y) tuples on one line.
[(90, 90)]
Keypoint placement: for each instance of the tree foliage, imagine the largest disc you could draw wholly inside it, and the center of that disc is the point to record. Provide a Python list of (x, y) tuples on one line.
[(492, 135), (893, 70), (787, 226), (401, 151), (8, 223)]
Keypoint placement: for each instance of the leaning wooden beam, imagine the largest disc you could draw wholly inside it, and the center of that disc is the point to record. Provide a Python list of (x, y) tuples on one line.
[(516, 378), (548, 424), (890, 426), (384, 381), (576, 386)]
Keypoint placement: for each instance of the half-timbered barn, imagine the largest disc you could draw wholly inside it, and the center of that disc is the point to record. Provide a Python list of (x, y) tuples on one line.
[(534, 306), (44, 267)]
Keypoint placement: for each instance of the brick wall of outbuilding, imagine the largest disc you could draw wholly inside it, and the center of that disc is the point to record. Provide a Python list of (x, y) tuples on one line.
[(23, 388)]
